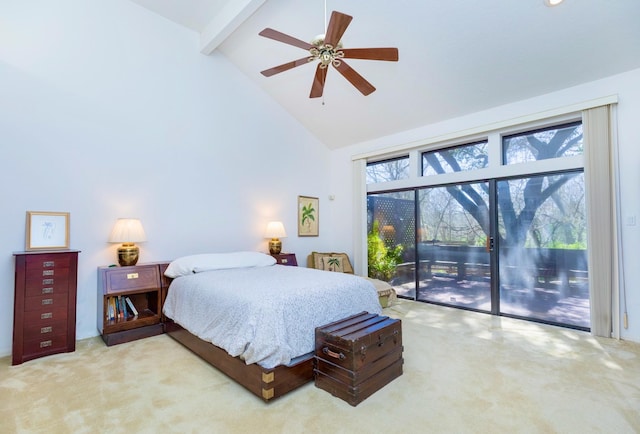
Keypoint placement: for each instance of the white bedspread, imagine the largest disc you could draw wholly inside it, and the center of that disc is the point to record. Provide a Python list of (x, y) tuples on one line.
[(266, 315)]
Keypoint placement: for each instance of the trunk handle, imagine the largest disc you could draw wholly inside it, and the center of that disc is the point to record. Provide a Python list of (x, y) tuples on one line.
[(330, 353)]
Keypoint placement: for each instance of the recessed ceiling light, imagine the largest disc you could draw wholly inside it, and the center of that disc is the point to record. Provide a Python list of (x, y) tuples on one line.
[(551, 3)]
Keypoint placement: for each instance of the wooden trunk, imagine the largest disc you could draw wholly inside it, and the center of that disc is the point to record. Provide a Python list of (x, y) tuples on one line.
[(358, 340), (358, 355), (354, 395)]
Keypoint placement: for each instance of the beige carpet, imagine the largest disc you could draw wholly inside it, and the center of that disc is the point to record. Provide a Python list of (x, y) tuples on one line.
[(464, 372)]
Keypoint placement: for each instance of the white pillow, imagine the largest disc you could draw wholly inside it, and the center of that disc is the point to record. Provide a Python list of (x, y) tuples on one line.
[(217, 261)]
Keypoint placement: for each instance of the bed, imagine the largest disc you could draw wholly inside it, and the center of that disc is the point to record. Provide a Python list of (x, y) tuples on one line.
[(255, 320)]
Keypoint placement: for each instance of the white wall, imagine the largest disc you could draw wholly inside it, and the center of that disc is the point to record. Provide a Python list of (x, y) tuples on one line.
[(107, 111), (626, 86)]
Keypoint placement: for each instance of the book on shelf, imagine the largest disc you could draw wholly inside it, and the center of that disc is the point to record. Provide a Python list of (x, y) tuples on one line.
[(112, 308), (119, 306), (133, 309), (111, 315)]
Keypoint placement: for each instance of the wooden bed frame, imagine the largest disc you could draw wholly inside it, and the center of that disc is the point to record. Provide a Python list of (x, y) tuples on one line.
[(267, 384)]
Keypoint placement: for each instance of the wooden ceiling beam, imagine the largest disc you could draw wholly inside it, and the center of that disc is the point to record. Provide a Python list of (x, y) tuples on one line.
[(232, 15)]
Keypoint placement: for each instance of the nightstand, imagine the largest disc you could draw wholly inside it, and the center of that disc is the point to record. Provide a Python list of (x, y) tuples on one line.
[(129, 302), (286, 259)]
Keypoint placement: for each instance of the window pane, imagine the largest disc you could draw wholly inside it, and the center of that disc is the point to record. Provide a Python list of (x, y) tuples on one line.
[(391, 229), (452, 255), (458, 159), (388, 170), (543, 248), (554, 142)]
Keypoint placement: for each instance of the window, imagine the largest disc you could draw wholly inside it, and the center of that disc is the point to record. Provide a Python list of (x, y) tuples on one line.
[(493, 237), (388, 170), (458, 159), (555, 142)]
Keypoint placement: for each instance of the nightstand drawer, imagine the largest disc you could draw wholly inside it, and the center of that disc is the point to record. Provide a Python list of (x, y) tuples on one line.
[(131, 278), (286, 259)]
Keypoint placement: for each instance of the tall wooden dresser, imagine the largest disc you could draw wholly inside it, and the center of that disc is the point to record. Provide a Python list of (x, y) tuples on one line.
[(44, 313)]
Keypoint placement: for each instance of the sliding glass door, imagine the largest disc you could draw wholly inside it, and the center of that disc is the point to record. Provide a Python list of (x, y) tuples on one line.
[(453, 254), (543, 248)]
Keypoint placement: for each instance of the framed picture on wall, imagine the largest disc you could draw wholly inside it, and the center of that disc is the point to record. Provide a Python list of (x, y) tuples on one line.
[(47, 230), (308, 216)]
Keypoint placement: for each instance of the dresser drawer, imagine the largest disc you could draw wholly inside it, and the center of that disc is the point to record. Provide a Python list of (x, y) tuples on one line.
[(43, 329), (50, 273), (47, 261), (131, 279), (42, 285), (47, 314), (44, 345), (46, 302)]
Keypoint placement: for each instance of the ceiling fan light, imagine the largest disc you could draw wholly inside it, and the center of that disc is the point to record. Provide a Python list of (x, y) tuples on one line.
[(551, 3), (318, 41)]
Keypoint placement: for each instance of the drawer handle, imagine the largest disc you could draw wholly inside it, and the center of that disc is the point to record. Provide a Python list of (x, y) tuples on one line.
[(47, 264), (46, 329), (45, 344), (48, 272), (47, 301), (48, 290), (132, 275), (330, 353), (46, 315), (47, 281)]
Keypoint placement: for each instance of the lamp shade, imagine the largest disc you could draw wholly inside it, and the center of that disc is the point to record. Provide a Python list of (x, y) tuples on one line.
[(275, 230), (127, 231)]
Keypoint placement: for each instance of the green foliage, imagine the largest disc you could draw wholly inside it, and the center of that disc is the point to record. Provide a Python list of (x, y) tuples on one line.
[(308, 214), (382, 258), (565, 246)]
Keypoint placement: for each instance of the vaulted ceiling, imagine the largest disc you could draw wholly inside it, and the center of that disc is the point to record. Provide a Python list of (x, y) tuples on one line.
[(456, 57)]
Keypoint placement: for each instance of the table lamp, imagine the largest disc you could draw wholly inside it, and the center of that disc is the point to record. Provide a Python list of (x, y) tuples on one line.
[(275, 231), (128, 231)]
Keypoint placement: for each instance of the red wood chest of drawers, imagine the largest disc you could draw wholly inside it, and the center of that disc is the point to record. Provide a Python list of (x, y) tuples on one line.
[(44, 314)]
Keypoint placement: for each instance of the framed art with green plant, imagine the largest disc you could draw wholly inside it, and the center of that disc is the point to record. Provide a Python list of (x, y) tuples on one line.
[(308, 216)]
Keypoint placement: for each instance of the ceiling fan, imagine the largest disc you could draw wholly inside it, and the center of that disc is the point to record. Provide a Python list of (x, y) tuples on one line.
[(327, 49)]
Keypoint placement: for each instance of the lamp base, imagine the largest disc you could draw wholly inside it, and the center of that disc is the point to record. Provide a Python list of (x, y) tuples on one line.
[(128, 254), (275, 246)]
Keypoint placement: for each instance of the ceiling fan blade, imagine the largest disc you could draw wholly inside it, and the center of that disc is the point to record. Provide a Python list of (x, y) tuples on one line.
[(354, 78), (338, 23), (284, 67), (389, 54), (281, 37), (318, 82)]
